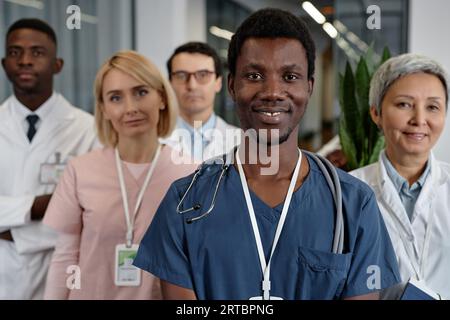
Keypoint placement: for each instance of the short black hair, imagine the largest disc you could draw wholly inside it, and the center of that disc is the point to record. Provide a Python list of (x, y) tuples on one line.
[(197, 47), (35, 24), (272, 23)]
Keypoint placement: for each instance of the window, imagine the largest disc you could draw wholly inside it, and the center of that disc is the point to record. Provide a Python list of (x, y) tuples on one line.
[(226, 16), (106, 27)]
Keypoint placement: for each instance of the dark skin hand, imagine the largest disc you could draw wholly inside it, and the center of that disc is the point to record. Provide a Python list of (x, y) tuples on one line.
[(369, 296), (39, 207), (338, 159), (7, 236), (30, 63), (174, 292)]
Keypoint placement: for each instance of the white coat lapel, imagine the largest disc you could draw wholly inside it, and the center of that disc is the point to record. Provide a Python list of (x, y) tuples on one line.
[(423, 211), (426, 196), (10, 128), (392, 201), (393, 204)]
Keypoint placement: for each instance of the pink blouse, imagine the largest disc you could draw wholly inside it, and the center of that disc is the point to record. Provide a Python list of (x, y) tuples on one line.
[(87, 209)]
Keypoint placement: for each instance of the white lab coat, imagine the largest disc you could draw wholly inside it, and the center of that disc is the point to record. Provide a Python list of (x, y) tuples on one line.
[(223, 138), (423, 245), (65, 129)]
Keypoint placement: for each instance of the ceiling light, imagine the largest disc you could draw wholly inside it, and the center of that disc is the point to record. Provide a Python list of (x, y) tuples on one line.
[(221, 33), (313, 12), (29, 3), (330, 29)]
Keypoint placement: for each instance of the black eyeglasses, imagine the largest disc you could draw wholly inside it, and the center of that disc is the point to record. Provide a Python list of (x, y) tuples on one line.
[(202, 76)]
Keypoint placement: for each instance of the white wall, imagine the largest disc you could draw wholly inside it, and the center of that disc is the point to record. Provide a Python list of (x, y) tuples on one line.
[(161, 26), (429, 26)]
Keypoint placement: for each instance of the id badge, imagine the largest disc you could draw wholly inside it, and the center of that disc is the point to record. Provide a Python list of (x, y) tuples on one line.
[(261, 298), (125, 273), (51, 172)]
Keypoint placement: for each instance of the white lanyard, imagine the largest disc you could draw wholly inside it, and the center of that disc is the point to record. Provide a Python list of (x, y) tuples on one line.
[(130, 220), (266, 268)]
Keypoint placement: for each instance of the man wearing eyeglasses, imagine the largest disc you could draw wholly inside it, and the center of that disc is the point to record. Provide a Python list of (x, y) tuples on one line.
[(195, 73)]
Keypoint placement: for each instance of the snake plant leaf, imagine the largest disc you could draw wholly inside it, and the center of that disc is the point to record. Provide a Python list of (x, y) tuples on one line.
[(373, 135), (369, 56), (348, 146), (341, 89), (360, 138), (362, 84), (386, 55), (379, 145), (351, 110)]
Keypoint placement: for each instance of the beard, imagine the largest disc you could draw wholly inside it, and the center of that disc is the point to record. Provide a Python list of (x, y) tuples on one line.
[(274, 140)]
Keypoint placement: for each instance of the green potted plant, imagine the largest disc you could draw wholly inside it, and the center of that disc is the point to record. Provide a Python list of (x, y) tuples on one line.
[(360, 138)]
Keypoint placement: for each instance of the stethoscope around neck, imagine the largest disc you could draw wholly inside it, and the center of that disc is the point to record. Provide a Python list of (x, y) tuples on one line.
[(327, 169), (198, 206)]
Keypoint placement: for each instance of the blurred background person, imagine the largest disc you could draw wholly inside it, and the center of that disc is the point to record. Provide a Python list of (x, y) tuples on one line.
[(195, 72), (39, 131), (107, 198)]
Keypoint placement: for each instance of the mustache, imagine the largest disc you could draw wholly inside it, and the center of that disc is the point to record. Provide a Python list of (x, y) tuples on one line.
[(271, 106)]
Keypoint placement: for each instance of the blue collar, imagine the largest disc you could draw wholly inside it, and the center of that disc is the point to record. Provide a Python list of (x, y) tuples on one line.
[(400, 182), (209, 124)]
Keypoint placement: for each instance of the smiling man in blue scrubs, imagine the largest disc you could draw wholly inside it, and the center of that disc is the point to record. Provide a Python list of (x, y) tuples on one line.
[(269, 236)]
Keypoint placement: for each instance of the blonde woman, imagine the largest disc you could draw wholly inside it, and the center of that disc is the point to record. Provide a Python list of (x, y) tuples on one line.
[(107, 198)]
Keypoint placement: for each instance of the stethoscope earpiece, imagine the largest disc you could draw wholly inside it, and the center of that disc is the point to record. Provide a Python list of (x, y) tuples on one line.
[(195, 207), (198, 206)]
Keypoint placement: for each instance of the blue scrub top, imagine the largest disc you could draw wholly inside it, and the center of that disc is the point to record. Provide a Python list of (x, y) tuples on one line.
[(217, 256)]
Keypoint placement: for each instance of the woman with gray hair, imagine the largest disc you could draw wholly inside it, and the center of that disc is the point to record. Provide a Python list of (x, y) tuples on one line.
[(408, 98)]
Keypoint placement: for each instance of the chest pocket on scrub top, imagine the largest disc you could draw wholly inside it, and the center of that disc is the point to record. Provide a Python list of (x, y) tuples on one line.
[(321, 275)]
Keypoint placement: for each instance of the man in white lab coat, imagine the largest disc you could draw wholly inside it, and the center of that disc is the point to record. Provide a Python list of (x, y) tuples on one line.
[(39, 132), (195, 73)]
